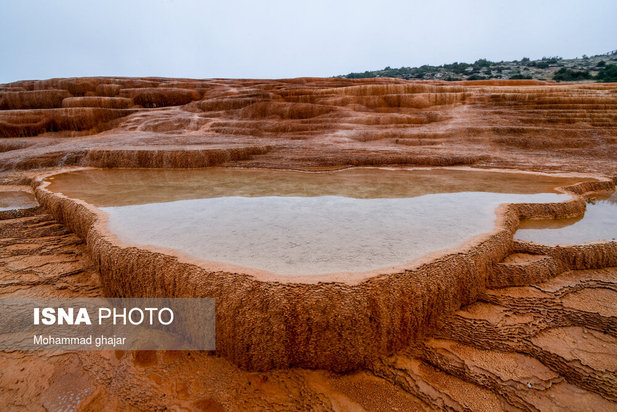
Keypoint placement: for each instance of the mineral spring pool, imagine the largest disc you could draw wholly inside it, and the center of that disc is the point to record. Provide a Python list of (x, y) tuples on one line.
[(598, 223), (304, 223)]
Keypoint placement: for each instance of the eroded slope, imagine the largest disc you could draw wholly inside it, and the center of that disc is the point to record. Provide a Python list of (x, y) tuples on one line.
[(308, 122)]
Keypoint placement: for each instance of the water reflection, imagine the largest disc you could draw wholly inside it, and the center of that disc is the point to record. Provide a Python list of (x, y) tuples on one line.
[(296, 223), (118, 187), (598, 223)]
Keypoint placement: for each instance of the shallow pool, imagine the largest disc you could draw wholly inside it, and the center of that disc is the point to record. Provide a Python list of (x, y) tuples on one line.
[(598, 223), (299, 223)]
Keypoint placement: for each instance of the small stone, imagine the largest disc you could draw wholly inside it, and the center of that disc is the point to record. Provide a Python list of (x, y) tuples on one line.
[(529, 385)]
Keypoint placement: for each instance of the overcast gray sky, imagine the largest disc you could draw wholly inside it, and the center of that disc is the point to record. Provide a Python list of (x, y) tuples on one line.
[(274, 39)]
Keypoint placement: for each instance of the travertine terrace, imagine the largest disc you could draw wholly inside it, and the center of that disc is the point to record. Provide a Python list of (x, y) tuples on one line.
[(303, 123), (443, 335)]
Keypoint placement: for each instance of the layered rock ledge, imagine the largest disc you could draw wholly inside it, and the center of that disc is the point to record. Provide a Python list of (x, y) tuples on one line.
[(309, 122)]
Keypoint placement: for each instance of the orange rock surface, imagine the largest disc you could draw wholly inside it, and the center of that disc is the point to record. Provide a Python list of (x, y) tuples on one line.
[(311, 122), (527, 327)]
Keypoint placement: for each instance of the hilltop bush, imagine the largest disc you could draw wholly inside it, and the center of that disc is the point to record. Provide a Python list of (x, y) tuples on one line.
[(608, 73), (568, 75), (520, 77)]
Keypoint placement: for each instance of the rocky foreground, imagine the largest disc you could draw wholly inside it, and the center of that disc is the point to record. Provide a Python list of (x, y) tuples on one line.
[(548, 344)]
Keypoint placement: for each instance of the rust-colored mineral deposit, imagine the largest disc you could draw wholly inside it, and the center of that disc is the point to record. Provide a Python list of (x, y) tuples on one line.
[(497, 324)]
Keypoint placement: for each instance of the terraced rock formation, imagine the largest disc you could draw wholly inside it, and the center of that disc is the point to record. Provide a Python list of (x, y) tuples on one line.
[(266, 323), (531, 328), (314, 122), (548, 346)]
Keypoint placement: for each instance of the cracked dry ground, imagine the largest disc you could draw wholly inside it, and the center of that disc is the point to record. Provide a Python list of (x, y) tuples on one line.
[(549, 346)]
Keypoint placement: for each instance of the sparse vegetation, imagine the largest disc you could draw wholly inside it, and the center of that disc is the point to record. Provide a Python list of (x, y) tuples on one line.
[(586, 68)]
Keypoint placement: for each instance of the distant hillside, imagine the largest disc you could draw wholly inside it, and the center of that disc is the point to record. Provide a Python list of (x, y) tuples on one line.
[(602, 68)]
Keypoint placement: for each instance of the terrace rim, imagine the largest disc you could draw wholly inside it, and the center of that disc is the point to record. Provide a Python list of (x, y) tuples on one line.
[(268, 322)]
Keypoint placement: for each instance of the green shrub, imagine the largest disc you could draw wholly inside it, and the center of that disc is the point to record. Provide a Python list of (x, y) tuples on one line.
[(608, 73), (483, 63), (568, 75), (520, 77)]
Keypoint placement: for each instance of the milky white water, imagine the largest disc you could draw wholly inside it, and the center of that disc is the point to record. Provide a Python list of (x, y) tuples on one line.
[(313, 235)]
